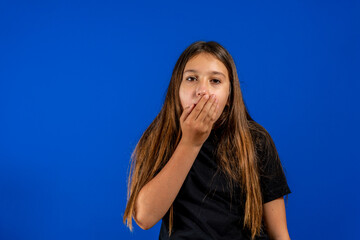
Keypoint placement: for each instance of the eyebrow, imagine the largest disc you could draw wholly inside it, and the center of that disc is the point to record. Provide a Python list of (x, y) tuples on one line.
[(212, 72)]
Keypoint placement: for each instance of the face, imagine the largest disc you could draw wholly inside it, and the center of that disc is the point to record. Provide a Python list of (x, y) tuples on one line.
[(204, 74)]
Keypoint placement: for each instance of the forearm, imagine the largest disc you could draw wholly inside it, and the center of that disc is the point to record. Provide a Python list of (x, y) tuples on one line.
[(156, 197)]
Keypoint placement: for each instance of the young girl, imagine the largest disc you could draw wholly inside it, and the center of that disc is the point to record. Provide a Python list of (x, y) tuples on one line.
[(204, 166)]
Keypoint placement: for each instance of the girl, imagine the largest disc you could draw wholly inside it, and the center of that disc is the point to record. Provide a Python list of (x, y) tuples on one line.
[(204, 166)]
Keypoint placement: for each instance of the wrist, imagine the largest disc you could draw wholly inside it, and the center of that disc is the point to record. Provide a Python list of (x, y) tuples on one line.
[(189, 145)]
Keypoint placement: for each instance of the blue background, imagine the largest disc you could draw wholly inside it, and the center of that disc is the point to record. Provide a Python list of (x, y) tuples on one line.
[(81, 81)]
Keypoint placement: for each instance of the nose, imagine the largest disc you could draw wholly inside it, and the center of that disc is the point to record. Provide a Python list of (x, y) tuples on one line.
[(202, 89), (201, 93)]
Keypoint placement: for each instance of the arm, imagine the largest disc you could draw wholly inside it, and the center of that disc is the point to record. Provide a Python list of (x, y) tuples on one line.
[(275, 219), (156, 197)]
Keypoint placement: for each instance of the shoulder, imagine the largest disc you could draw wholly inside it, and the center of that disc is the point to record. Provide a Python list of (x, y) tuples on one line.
[(264, 145), (272, 175), (260, 136)]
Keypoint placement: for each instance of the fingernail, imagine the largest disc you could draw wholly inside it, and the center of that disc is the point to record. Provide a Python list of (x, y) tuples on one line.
[(206, 96)]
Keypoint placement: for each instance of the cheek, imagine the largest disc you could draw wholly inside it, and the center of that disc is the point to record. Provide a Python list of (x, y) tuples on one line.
[(222, 98), (185, 97), (221, 107), (222, 102)]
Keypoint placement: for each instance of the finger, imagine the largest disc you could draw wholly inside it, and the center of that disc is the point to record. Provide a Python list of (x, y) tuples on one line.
[(186, 113), (213, 119), (211, 112), (203, 109), (206, 110), (197, 109)]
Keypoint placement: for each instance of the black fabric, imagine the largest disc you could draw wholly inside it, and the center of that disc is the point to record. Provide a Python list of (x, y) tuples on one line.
[(204, 209)]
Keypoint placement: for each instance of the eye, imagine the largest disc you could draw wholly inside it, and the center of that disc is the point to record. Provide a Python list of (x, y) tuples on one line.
[(217, 81), (189, 77)]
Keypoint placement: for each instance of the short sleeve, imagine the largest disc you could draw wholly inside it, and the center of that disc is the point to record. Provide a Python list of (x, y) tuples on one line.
[(273, 182)]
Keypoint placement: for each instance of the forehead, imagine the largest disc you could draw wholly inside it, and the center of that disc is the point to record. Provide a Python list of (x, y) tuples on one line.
[(206, 62)]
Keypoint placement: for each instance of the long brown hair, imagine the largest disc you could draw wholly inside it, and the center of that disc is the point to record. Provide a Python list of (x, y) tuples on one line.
[(235, 152)]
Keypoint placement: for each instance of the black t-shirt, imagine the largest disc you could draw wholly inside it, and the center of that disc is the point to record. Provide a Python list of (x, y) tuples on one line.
[(204, 209)]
